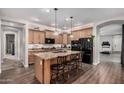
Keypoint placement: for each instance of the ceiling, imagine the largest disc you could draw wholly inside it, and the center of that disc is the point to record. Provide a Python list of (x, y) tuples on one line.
[(45, 16), (113, 29)]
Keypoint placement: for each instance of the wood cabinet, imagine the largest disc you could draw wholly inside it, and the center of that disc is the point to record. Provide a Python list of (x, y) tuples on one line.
[(76, 35), (31, 37), (66, 39), (31, 59), (49, 34), (84, 33), (42, 37), (59, 39), (36, 37)]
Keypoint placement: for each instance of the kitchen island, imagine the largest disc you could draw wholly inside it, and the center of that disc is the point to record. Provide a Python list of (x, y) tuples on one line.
[(43, 62)]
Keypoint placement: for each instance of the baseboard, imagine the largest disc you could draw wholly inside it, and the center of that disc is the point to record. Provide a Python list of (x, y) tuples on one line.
[(96, 63), (26, 66)]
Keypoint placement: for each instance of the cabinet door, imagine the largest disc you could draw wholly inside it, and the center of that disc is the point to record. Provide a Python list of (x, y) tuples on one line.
[(86, 33), (58, 39), (89, 32), (36, 37), (82, 34), (68, 39), (65, 40), (75, 35), (49, 34), (41, 37), (30, 37)]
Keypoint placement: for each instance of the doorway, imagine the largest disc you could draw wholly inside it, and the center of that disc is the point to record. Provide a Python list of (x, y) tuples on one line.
[(11, 49), (110, 43), (10, 45), (117, 43)]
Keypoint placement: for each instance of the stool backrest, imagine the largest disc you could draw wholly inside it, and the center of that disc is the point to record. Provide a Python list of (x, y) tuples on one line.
[(75, 57), (61, 60)]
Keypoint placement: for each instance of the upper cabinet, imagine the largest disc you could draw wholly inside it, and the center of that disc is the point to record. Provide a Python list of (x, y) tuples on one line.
[(66, 39), (36, 37), (76, 35), (31, 36), (42, 37), (84, 33), (49, 34), (58, 38)]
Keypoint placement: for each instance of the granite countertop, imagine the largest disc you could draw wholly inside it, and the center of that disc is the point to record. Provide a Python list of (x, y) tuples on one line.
[(47, 50), (52, 55)]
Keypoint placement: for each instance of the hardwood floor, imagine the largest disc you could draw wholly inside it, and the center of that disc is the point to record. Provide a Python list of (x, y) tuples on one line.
[(104, 73), (18, 75)]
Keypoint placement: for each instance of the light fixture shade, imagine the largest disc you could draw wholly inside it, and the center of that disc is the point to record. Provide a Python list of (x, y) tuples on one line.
[(88, 40), (71, 18), (56, 34), (71, 36), (47, 10)]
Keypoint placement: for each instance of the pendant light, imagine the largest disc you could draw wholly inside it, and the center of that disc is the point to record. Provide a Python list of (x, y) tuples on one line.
[(56, 33), (71, 18)]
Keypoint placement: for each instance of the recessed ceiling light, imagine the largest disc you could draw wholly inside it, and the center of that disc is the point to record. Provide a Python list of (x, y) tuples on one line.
[(34, 19), (77, 24), (11, 24), (65, 27), (67, 19), (56, 33), (53, 24), (47, 10)]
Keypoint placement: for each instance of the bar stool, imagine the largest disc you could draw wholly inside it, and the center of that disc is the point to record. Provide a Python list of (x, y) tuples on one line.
[(73, 63), (58, 69), (79, 58)]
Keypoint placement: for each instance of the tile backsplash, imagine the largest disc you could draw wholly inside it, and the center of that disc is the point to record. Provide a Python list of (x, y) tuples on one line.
[(31, 46)]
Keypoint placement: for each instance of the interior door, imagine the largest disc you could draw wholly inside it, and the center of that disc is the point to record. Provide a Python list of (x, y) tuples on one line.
[(117, 41), (10, 45)]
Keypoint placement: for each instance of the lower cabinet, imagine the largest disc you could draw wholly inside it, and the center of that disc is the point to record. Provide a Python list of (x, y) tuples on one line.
[(31, 59)]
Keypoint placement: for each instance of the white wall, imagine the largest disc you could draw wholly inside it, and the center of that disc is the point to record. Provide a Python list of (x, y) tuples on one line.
[(113, 29), (106, 38), (111, 33), (117, 42), (19, 28)]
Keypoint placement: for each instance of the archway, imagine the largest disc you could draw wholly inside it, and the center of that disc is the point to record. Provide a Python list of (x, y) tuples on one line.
[(96, 33)]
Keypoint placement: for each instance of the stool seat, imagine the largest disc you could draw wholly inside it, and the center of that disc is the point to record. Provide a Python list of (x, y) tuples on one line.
[(57, 67)]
